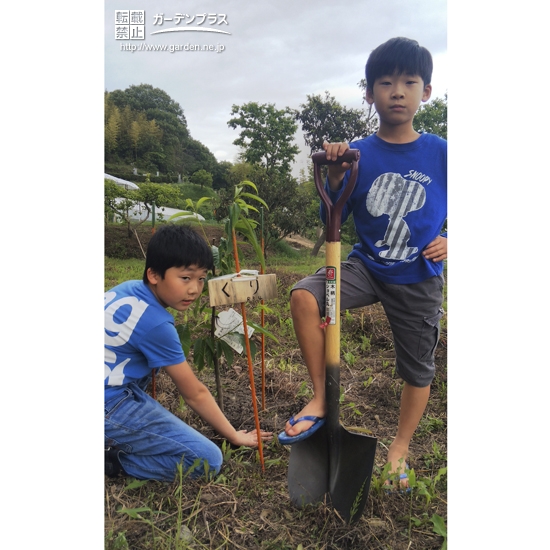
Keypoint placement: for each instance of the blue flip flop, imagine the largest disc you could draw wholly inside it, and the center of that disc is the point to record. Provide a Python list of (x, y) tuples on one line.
[(289, 440), (401, 491)]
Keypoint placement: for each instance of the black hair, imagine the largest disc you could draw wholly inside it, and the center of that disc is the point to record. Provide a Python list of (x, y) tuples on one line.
[(401, 56), (176, 246)]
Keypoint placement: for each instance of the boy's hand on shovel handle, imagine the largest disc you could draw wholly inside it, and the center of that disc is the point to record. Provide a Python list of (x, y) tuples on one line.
[(336, 171)]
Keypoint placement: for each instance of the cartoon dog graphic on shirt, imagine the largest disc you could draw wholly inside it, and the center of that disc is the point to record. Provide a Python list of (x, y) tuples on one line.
[(393, 195)]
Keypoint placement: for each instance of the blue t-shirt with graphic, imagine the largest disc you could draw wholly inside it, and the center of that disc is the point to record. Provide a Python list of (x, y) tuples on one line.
[(399, 206), (139, 334)]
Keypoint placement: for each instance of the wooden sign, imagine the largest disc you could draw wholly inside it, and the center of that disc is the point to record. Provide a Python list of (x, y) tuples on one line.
[(233, 289)]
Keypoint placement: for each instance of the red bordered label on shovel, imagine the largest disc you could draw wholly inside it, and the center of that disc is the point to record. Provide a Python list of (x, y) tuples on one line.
[(330, 298)]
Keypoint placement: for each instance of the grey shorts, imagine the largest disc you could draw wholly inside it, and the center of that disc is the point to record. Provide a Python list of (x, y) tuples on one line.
[(413, 310)]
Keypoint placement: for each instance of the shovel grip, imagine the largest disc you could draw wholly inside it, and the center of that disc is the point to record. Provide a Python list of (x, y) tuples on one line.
[(334, 211), (349, 156)]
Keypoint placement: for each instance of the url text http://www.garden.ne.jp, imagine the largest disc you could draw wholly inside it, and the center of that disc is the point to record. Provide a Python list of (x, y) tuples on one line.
[(172, 48)]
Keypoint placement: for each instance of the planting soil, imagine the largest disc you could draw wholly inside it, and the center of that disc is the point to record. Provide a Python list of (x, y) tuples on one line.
[(247, 506)]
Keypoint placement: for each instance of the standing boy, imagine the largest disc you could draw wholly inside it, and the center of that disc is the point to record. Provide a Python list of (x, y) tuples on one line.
[(399, 207), (142, 438)]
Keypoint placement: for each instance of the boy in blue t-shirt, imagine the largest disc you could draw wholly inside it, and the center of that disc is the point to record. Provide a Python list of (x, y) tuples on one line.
[(399, 207), (142, 438)]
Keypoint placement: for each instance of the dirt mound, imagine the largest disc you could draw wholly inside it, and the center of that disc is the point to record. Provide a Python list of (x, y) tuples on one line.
[(299, 242)]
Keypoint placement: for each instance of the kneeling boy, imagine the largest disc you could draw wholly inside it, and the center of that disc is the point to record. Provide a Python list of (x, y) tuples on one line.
[(141, 437)]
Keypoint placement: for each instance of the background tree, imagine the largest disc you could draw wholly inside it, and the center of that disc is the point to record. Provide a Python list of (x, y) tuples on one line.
[(202, 178), (268, 151), (432, 117), (267, 135), (221, 174), (117, 202), (284, 213), (124, 203), (197, 156), (324, 119), (112, 125), (146, 128)]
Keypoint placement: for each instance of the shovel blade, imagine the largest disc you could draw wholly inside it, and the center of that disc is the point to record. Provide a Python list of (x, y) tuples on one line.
[(308, 469), (350, 473)]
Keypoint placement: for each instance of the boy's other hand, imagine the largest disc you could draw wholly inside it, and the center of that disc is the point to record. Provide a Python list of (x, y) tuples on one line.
[(250, 439), (336, 171), (436, 250), (335, 150)]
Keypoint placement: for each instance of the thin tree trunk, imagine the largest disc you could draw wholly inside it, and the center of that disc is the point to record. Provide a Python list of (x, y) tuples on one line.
[(217, 375), (321, 237), (219, 387)]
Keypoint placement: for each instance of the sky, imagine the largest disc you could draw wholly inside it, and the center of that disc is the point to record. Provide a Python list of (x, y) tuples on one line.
[(275, 52)]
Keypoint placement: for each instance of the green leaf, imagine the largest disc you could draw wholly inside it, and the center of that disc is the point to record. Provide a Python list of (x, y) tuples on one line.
[(216, 255), (256, 198), (198, 354), (241, 339), (250, 184), (439, 526), (245, 226), (185, 338), (201, 201), (234, 213), (441, 472), (135, 484), (183, 213), (134, 512), (245, 206), (262, 330), (225, 349), (253, 348), (209, 353)]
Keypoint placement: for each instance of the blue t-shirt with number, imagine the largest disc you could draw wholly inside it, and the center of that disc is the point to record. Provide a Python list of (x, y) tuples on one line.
[(139, 334)]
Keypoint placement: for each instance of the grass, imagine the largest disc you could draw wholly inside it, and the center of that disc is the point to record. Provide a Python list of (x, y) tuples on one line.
[(245, 507), (118, 271), (301, 262)]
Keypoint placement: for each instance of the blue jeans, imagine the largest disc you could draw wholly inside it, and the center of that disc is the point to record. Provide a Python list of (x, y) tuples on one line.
[(152, 439)]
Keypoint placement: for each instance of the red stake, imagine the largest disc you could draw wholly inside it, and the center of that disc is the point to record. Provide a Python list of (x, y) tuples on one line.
[(249, 356), (263, 335)]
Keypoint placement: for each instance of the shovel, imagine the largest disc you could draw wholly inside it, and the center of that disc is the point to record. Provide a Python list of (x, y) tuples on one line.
[(333, 460)]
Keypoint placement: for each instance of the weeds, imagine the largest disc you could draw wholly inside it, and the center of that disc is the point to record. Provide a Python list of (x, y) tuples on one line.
[(430, 424), (243, 507), (349, 358), (116, 541), (365, 343), (305, 390), (435, 457), (440, 528)]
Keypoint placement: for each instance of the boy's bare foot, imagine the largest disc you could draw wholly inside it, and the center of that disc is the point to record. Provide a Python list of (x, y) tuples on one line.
[(397, 457), (316, 407)]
